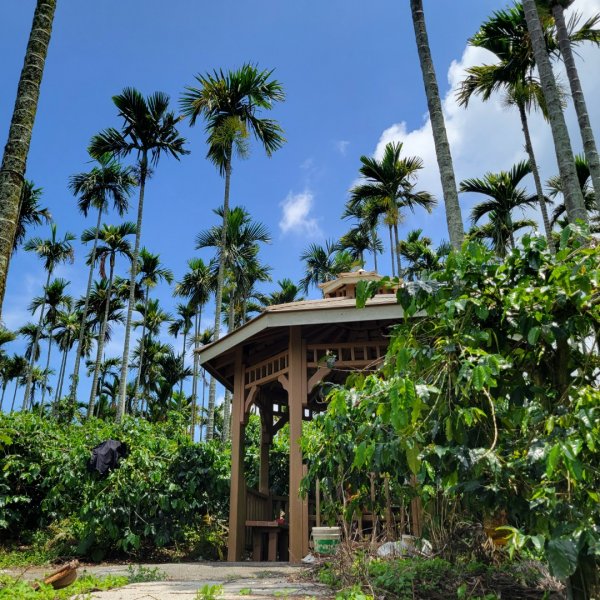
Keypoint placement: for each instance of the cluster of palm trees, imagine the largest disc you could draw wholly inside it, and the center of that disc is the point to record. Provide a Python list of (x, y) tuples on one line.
[(387, 185), (230, 103), (148, 378)]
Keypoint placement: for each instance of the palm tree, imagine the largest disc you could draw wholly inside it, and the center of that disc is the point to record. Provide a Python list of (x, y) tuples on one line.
[(504, 195), (231, 103), (68, 325), (149, 131), (171, 374), (151, 271), (420, 256), (14, 160), (324, 263), (183, 324), (30, 212), (360, 239), (367, 213), (55, 300), (560, 133), (39, 381), (107, 181), (206, 337), (53, 252), (97, 307), (110, 367), (237, 257), (18, 373), (6, 374), (563, 35), (29, 331), (196, 285), (554, 185), (113, 242), (389, 185), (438, 126), (151, 369), (505, 35), (288, 292), (153, 317)]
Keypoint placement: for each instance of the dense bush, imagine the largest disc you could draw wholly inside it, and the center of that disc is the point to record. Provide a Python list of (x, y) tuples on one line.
[(165, 487), (437, 579), (488, 402)]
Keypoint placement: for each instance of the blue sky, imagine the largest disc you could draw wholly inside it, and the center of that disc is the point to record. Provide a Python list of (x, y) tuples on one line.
[(352, 79)]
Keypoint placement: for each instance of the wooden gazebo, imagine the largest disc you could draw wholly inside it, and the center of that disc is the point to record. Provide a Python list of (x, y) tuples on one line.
[(276, 362)]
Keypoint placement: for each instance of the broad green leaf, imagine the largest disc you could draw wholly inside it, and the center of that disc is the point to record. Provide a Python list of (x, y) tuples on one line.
[(534, 335), (562, 557), (412, 458)]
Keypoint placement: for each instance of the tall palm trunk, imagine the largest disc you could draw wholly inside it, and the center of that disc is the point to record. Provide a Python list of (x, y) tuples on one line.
[(560, 134), (212, 390), (227, 398), (183, 359), (134, 266), (203, 375), (12, 405), (63, 367), (536, 177), (14, 161), (587, 134), (82, 330), (197, 320), (138, 379), (440, 137), (45, 378), (397, 248), (101, 338), (392, 251), (374, 240), (34, 348), (4, 386)]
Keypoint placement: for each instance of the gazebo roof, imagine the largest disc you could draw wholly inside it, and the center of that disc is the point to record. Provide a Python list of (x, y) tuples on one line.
[(382, 307), (344, 279), (275, 321)]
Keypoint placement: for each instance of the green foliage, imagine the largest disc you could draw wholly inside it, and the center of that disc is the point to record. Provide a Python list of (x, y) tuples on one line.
[(353, 593), (437, 579), (279, 457), (488, 397), (141, 574), (209, 592), (166, 485)]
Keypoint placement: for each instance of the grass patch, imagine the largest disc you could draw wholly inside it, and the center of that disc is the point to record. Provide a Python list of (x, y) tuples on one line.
[(13, 589)]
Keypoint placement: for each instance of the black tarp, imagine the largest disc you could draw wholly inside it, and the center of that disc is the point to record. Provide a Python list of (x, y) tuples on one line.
[(106, 456)]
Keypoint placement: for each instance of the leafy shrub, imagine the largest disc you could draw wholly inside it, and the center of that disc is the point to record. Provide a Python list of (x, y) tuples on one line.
[(165, 484), (488, 400)]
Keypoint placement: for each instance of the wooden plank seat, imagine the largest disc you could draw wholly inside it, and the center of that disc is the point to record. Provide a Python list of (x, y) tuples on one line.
[(276, 535)]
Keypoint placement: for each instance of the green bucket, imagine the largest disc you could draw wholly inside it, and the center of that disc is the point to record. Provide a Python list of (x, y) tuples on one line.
[(326, 539)]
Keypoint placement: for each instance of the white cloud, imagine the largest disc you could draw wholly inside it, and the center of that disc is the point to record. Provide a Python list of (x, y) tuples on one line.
[(487, 136), (296, 215), (342, 146)]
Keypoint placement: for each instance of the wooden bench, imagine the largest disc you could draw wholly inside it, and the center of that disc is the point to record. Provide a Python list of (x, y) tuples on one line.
[(277, 539)]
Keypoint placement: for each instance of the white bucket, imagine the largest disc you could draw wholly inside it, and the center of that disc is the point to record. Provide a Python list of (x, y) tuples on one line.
[(326, 539)]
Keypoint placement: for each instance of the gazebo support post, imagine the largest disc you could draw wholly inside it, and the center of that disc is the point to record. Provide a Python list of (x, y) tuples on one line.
[(297, 398), (237, 504)]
